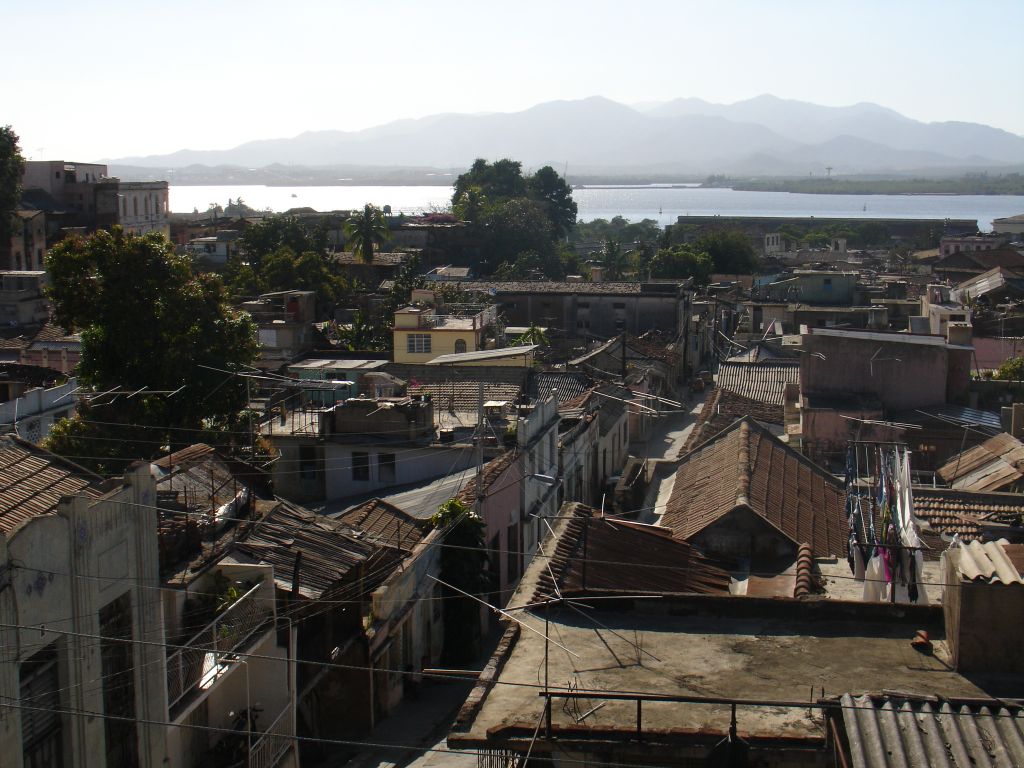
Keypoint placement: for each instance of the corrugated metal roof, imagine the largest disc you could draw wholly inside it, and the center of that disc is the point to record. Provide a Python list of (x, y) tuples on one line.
[(765, 381), (385, 523), (624, 556), (33, 481), (990, 562), (483, 354), (747, 467), (890, 731), (997, 464), (329, 551)]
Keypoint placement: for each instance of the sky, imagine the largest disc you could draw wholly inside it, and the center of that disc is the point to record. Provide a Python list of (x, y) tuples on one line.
[(115, 78)]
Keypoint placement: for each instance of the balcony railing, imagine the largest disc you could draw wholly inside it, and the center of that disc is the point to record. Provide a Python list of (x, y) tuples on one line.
[(199, 658), (273, 743)]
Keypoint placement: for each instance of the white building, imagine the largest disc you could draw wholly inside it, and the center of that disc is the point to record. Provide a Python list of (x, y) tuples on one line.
[(77, 565)]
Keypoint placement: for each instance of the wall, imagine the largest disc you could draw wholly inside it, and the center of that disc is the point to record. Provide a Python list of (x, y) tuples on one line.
[(599, 314), (412, 465), (442, 342), (537, 441), (116, 547), (37, 410), (902, 375), (742, 533), (408, 611), (977, 632)]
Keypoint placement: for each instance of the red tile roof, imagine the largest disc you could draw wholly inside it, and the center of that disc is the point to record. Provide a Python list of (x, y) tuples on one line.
[(721, 408), (747, 467)]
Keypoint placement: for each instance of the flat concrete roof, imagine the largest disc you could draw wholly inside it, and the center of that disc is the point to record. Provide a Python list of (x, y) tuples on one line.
[(730, 647)]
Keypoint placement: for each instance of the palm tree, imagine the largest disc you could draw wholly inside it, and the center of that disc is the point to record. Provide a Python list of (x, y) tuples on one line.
[(532, 335), (365, 231), (615, 259)]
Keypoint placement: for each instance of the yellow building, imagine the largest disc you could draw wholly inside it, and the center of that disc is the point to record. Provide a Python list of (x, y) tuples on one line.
[(421, 334)]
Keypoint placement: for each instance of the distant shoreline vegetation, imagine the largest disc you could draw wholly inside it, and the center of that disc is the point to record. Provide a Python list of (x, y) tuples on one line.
[(972, 184)]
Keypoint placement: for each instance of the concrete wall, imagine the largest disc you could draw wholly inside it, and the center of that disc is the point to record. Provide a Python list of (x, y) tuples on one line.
[(978, 630), (902, 375), (67, 567), (442, 342), (602, 315), (742, 533), (412, 465), (537, 438)]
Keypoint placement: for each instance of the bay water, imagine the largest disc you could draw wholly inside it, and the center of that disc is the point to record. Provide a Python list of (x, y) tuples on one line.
[(659, 202)]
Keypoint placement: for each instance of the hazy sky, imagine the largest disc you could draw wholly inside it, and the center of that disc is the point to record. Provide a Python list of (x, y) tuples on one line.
[(84, 81)]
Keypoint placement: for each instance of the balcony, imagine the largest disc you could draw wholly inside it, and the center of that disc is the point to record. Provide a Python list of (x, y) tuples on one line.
[(200, 661)]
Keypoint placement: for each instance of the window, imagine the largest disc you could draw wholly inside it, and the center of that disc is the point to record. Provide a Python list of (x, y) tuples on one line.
[(460, 346), (307, 462), (118, 683), (584, 305), (957, 318), (620, 324), (360, 466), (386, 467), (418, 343), (828, 281), (619, 305), (41, 729)]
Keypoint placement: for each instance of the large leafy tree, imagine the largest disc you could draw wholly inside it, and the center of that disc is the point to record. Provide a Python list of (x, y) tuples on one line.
[(680, 262), (513, 215), (151, 328), (11, 166), (366, 231), (275, 232), (555, 196), (730, 250)]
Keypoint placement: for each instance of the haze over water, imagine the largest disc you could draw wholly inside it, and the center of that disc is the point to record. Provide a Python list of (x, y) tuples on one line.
[(659, 203)]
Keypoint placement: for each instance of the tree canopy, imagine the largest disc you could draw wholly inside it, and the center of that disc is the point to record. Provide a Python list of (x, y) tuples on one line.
[(680, 262), (11, 166), (151, 327), (274, 232), (518, 220), (730, 250)]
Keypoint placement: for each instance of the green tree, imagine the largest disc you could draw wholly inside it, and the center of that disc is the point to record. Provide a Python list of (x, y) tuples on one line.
[(150, 327), (614, 259), (1011, 370), (364, 334), (366, 231), (681, 262), (512, 227), (463, 566), (549, 190), (275, 232), (730, 250), (532, 335), (502, 179), (12, 164)]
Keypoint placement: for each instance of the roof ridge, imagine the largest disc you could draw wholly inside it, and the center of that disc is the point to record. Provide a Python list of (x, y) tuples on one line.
[(743, 489)]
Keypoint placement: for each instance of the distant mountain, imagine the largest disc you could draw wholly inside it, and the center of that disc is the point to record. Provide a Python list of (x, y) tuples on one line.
[(764, 135)]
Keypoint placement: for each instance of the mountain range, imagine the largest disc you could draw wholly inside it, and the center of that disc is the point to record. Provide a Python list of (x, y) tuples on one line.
[(765, 135)]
